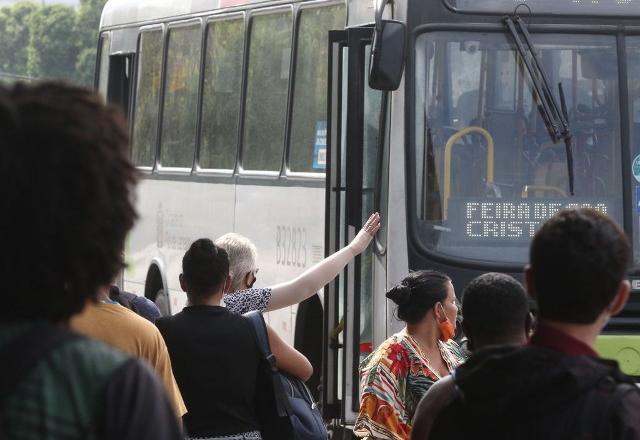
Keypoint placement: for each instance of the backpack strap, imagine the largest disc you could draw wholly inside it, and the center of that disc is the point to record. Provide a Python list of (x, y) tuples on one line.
[(21, 355), (262, 339)]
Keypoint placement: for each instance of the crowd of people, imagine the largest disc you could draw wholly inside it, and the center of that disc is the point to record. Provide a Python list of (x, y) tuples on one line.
[(82, 359)]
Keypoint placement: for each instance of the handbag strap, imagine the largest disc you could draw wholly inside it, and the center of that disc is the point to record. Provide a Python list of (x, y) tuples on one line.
[(22, 354), (262, 339)]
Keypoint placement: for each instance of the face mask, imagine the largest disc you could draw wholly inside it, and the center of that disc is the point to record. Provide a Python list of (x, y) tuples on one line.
[(447, 330)]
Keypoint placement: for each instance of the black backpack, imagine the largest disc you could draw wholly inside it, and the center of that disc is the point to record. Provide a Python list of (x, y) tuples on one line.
[(285, 407)]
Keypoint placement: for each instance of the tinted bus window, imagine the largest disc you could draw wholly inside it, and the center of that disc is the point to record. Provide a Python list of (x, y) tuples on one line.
[(307, 144), (221, 94), (267, 83), (180, 97), (145, 123)]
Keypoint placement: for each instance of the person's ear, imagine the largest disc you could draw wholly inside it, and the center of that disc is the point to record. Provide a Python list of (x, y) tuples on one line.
[(467, 332), (246, 281), (529, 282), (227, 285), (529, 321), (183, 283), (619, 301), (438, 311)]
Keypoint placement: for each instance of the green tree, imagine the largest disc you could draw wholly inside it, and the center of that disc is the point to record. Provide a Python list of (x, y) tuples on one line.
[(52, 51), (86, 29), (14, 37)]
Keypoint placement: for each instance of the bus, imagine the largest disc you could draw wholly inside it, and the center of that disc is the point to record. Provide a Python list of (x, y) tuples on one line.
[(226, 102), (290, 121), (506, 112)]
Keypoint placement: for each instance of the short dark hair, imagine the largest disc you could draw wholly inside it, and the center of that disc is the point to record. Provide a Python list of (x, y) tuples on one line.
[(205, 267), (67, 198), (494, 306), (417, 293), (578, 260)]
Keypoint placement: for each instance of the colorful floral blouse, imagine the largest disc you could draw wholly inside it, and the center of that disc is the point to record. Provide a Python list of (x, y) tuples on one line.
[(393, 380)]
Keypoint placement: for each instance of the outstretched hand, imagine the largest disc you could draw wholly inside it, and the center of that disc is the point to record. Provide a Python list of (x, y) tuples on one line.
[(366, 234)]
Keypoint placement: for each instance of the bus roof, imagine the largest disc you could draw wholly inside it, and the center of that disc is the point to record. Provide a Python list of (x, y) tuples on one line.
[(120, 12)]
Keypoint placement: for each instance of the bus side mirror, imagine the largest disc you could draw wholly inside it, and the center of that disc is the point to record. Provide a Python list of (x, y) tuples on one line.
[(387, 55)]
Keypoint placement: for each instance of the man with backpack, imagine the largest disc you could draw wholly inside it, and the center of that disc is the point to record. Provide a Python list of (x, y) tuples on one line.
[(556, 387)]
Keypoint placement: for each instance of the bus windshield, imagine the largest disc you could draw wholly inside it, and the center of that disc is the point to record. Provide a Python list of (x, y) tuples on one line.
[(487, 171)]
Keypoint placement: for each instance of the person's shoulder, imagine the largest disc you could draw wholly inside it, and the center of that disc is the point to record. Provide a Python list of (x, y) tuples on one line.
[(168, 323), (246, 300), (134, 395), (438, 396), (145, 307), (129, 324), (443, 390), (88, 358), (392, 349)]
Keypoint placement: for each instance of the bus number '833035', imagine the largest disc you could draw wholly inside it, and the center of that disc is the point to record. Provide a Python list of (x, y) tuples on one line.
[(291, 246)]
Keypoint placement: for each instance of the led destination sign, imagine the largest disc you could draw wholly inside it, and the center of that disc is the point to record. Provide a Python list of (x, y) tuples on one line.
[(482, 219)]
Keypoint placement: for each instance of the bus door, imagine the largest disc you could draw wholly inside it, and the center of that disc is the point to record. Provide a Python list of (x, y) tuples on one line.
[(114, 74), (354, 163)]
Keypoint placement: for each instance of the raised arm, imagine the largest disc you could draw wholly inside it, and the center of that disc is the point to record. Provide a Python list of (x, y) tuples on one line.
[(288, 359), (317, 276)]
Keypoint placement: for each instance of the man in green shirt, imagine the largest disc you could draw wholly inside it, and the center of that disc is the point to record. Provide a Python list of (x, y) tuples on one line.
[(66, 208)]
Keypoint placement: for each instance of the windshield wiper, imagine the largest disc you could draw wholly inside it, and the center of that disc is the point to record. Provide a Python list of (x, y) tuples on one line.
[(554, 117)]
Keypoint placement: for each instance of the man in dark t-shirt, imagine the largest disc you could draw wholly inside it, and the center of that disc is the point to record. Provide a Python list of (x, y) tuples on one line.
[(67, 206), (215, 358)]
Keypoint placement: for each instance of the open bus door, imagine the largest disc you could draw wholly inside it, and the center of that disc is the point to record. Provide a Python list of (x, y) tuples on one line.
[(354, 151)]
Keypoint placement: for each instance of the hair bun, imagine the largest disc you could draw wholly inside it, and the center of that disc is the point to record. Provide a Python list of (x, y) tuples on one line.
[(400, 294)]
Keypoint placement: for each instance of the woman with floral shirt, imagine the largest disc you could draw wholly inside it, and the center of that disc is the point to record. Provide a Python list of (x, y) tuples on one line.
[(396, 375)]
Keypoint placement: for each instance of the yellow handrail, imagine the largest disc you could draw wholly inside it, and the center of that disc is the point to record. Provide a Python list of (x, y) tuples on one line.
[(447, 160), (555, 189)]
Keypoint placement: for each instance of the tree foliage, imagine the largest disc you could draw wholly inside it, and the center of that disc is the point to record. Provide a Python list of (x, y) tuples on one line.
[(49, 41)]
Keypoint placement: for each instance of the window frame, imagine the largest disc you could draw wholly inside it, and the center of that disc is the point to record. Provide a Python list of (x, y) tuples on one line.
[(286, 170), (240, 170), (145, 169), (180, 171), (97, 77), (223, 172)]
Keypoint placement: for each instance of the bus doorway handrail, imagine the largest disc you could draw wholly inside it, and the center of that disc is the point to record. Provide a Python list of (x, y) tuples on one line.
[(447, 160), (548, 188)]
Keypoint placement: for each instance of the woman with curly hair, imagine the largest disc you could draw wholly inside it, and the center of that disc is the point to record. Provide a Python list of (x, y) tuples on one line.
[(398, 373)]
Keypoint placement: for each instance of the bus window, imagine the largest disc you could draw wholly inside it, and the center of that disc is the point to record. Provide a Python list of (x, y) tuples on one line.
[(180, 97), (491, 173), (221, 94), (633, 78), (267, 86), (145, 122), (103, 69), (307, 145)]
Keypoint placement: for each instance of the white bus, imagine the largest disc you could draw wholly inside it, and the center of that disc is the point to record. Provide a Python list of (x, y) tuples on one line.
[(227, 106)]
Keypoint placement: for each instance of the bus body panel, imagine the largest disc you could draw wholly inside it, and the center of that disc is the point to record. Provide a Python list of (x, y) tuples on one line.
[(286, 225)]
